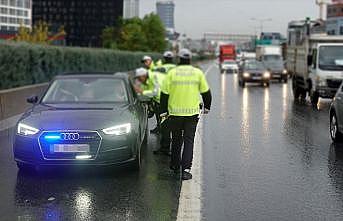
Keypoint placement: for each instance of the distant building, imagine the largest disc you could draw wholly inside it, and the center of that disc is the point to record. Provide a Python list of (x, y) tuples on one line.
[(131, 8), (165, 9), (83, 20), (334, 22), (13, 14)]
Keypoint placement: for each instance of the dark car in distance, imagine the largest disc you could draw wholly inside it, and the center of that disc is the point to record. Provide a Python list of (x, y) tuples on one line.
[(254, 71), (82, 119)]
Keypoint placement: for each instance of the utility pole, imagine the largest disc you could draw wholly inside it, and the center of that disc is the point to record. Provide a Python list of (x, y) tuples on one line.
[(321, 4), (261, 21)]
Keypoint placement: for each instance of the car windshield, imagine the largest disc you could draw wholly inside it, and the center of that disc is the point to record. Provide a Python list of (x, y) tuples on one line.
[(254, 66), (86, 90), (331, 58), (272, 58)]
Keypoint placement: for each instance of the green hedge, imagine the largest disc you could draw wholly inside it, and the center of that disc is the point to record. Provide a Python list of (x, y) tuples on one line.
[(25, 64)]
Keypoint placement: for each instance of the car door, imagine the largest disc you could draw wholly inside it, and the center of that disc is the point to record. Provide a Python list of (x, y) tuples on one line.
[(339, 106)]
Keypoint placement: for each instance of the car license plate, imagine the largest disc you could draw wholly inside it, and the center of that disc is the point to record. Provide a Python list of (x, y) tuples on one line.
[(256, 78), (71, 148)]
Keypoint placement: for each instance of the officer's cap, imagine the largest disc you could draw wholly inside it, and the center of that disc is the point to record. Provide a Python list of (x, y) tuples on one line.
[(146, 58), (185, 53), (168, 54), (141, 72)]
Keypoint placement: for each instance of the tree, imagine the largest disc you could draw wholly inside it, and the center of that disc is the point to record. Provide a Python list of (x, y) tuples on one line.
[(155, 32), (136, 34), (132, 38), (38, 34)]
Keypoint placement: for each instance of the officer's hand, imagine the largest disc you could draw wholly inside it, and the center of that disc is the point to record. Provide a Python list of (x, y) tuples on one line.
[(138, 89)]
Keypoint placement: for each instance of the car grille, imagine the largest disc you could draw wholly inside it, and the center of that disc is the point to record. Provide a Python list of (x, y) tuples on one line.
[(91, 138), (255, 74), (334, 83)]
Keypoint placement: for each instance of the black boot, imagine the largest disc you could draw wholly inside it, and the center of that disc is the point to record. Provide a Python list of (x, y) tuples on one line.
[(186, 175), (155, 131)]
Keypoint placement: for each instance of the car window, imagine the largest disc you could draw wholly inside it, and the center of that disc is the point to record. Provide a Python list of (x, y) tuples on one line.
[(86, 90)]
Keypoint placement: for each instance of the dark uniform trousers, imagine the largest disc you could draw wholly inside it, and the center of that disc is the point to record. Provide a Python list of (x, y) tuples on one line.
[(183, 132)]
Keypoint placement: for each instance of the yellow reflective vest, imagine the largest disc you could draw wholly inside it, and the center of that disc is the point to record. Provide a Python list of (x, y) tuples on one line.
[(184, 84)]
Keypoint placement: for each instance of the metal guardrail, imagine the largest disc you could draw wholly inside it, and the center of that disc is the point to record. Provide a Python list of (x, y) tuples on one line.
[(13, 101)]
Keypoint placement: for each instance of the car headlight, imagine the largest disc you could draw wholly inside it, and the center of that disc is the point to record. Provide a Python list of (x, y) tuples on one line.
[(266, 74), (246, 74), (285, 72), (118, 130), (24, 129)]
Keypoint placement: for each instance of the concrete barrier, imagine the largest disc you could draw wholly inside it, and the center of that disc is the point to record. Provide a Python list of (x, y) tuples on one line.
[(13, 101)]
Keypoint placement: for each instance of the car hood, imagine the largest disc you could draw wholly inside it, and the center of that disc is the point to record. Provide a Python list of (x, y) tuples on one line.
[(274, 66), (79, 117), (255, 71)]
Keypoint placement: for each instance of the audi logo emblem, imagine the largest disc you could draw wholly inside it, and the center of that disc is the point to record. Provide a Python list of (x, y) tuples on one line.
[(70, 136)]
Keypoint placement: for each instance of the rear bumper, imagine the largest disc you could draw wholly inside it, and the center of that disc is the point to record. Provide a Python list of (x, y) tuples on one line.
[(111, 152)]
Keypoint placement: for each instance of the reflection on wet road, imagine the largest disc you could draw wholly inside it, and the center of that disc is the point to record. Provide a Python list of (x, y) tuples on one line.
[(113, 194), (268, 158)]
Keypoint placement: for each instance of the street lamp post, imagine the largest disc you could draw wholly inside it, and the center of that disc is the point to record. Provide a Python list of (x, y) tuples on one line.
[(261, 21)]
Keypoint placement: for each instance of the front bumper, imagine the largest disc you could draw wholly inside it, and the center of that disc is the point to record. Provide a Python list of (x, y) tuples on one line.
[(326, 92), (112, 150), (256, 78), (279, 75)]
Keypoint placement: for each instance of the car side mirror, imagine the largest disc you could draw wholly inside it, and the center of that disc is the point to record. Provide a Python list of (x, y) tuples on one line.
[(309, 60), (32, 99), (144, 99)]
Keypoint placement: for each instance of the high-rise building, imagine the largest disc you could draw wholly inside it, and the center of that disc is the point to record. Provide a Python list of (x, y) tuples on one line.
[(131, 8), (165, 9), (13, 14), (334, 22), (83, 20)]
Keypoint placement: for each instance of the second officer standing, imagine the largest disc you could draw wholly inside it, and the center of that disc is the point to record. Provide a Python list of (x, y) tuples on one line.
[(180, 103)]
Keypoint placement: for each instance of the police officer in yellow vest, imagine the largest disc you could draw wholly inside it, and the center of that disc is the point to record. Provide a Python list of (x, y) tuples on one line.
[(180, 103), (148, 63), (168, 63)]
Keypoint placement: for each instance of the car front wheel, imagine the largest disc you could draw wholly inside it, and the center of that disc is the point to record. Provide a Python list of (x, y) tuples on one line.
[(336, 136)]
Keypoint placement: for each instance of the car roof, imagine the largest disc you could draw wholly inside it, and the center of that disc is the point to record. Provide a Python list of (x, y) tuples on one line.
[(120, 75)]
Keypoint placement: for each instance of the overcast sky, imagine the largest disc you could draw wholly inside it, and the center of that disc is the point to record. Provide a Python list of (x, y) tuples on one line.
[(194, 17)]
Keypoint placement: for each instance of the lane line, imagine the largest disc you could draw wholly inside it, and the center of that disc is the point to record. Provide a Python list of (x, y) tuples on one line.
[(190, 201), (9, 122), (209, 68)]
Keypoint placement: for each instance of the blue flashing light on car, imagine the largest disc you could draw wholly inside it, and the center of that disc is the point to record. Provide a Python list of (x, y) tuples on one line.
[(52, 137)]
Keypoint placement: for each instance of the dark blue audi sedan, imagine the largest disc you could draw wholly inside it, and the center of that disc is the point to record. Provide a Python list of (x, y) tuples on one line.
[(83, 119)]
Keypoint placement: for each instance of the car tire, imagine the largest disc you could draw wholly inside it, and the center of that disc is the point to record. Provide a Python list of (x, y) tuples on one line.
[(136, 165), (335, 134), (243, 84), (267, 84), (285, 80)]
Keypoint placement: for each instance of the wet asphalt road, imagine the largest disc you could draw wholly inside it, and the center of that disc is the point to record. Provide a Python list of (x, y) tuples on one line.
[(264, 158), (268, 158)]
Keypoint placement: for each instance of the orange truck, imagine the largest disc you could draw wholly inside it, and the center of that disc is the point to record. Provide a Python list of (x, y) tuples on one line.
[(227, 52)]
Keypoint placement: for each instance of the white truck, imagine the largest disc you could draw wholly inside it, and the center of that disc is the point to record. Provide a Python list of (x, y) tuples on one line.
[(315, 62), (271, 57)]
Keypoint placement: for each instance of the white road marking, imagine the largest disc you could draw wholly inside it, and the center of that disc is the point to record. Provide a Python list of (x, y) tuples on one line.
[(190, 202), (9, 122), (210, 68)]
